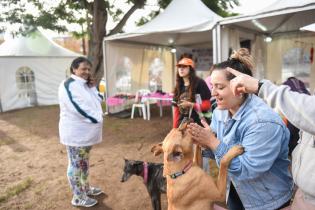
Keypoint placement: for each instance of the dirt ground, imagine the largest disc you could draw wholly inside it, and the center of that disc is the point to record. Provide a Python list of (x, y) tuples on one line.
[(33, 163), (30, 153)]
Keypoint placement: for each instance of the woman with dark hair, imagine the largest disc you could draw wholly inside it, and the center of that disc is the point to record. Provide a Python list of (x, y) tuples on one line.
[(191, 94), (299, 109), (259, 178), (80, 127)]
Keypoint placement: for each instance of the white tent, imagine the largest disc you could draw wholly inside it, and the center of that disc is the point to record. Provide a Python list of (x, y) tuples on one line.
[(279, 22), (31, 69), (181, 23), (282, 16), (184, 24)]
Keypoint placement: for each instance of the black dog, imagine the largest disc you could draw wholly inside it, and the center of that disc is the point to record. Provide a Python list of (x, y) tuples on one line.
[(152, 174)]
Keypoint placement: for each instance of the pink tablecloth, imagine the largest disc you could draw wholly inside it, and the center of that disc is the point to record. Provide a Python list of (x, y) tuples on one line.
[(119, 99), (113, 101), (163, 99)]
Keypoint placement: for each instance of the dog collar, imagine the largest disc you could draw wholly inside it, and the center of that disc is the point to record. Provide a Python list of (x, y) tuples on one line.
[(185, 169), (145, 172)]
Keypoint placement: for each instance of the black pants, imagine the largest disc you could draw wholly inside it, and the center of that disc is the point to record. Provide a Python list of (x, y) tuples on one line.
[(234, 202)]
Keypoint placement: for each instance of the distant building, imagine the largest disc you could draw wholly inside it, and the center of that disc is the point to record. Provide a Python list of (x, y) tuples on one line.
[(72, 44)]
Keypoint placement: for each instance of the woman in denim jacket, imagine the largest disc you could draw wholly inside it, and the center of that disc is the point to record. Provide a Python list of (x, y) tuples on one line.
[(299, 110), (259, 179)]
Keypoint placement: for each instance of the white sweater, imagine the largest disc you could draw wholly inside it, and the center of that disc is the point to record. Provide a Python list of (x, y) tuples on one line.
[(299, 109), (81, 115)]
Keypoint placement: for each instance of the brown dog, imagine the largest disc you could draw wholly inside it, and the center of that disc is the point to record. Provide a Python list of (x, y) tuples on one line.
[(188, 186)]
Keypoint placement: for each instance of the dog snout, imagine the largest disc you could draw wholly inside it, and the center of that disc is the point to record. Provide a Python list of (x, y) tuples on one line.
[(125, 177)]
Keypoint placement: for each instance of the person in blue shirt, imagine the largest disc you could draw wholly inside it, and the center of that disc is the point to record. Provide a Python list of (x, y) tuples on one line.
[(259, 179)]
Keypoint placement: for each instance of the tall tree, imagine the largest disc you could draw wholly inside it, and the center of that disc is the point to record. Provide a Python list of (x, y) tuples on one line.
[(91, 15)]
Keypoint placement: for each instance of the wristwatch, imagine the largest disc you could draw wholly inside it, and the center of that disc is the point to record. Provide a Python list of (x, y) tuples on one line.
[(260, 83)]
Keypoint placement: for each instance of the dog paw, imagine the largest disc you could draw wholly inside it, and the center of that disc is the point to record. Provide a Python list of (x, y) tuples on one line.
[(232, 153), (237, 150)]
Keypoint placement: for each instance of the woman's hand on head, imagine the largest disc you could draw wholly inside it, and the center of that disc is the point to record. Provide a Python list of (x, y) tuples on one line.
[(242, 83), (203, 136)]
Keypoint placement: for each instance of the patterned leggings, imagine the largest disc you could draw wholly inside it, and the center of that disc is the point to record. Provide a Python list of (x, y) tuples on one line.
[(78, 169)]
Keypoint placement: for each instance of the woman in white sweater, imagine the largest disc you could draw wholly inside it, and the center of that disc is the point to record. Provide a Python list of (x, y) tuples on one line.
[(80, 127), (299, 109)]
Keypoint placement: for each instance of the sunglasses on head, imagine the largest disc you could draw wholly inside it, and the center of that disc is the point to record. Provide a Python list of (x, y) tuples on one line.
[(182, 66)]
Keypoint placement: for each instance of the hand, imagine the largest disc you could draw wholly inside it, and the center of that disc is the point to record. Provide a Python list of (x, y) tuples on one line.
[(203, 136), (186, 104), (242, 83), (91, 82)]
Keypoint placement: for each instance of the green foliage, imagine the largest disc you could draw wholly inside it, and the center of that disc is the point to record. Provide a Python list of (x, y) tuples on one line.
[(221, 6), (116, 15), (56, 15), (48, 15)]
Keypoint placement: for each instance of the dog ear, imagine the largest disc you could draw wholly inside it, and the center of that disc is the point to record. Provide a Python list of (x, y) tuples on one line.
[(183, 125), (157, 149), (177, 153)]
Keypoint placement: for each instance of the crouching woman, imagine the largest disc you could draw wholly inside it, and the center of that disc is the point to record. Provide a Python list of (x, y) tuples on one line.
[(259, 179)]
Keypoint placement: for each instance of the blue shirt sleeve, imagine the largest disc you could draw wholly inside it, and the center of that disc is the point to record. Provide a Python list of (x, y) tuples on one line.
[(262, 143)]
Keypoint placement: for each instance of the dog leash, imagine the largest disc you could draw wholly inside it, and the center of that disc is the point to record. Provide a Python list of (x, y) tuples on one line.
[(190, 111), (185, 169), (145, 172)]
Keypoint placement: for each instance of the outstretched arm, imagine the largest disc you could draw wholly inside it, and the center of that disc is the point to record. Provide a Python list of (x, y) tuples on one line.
[(298, 108)]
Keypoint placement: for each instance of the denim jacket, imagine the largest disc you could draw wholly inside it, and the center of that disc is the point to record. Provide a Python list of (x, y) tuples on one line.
[(261, 176)]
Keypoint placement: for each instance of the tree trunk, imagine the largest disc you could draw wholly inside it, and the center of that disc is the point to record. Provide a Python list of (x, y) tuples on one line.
[(83, 46), (98, 32)]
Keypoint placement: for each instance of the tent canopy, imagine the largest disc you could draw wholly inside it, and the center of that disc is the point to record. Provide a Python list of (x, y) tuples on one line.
[(179, 24), (281, 17), (31, 69), (35, 44)]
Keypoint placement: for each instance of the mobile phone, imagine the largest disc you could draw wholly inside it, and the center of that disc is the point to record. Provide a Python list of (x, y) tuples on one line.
[(198, 99)]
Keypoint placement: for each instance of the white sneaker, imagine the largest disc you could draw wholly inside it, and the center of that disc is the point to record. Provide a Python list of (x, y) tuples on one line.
[(94, 191), (84, 202)]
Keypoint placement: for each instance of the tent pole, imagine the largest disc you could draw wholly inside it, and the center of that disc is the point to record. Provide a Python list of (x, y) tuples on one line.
[(173, 67), (214, 45), (105, 72), (219, 56)]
